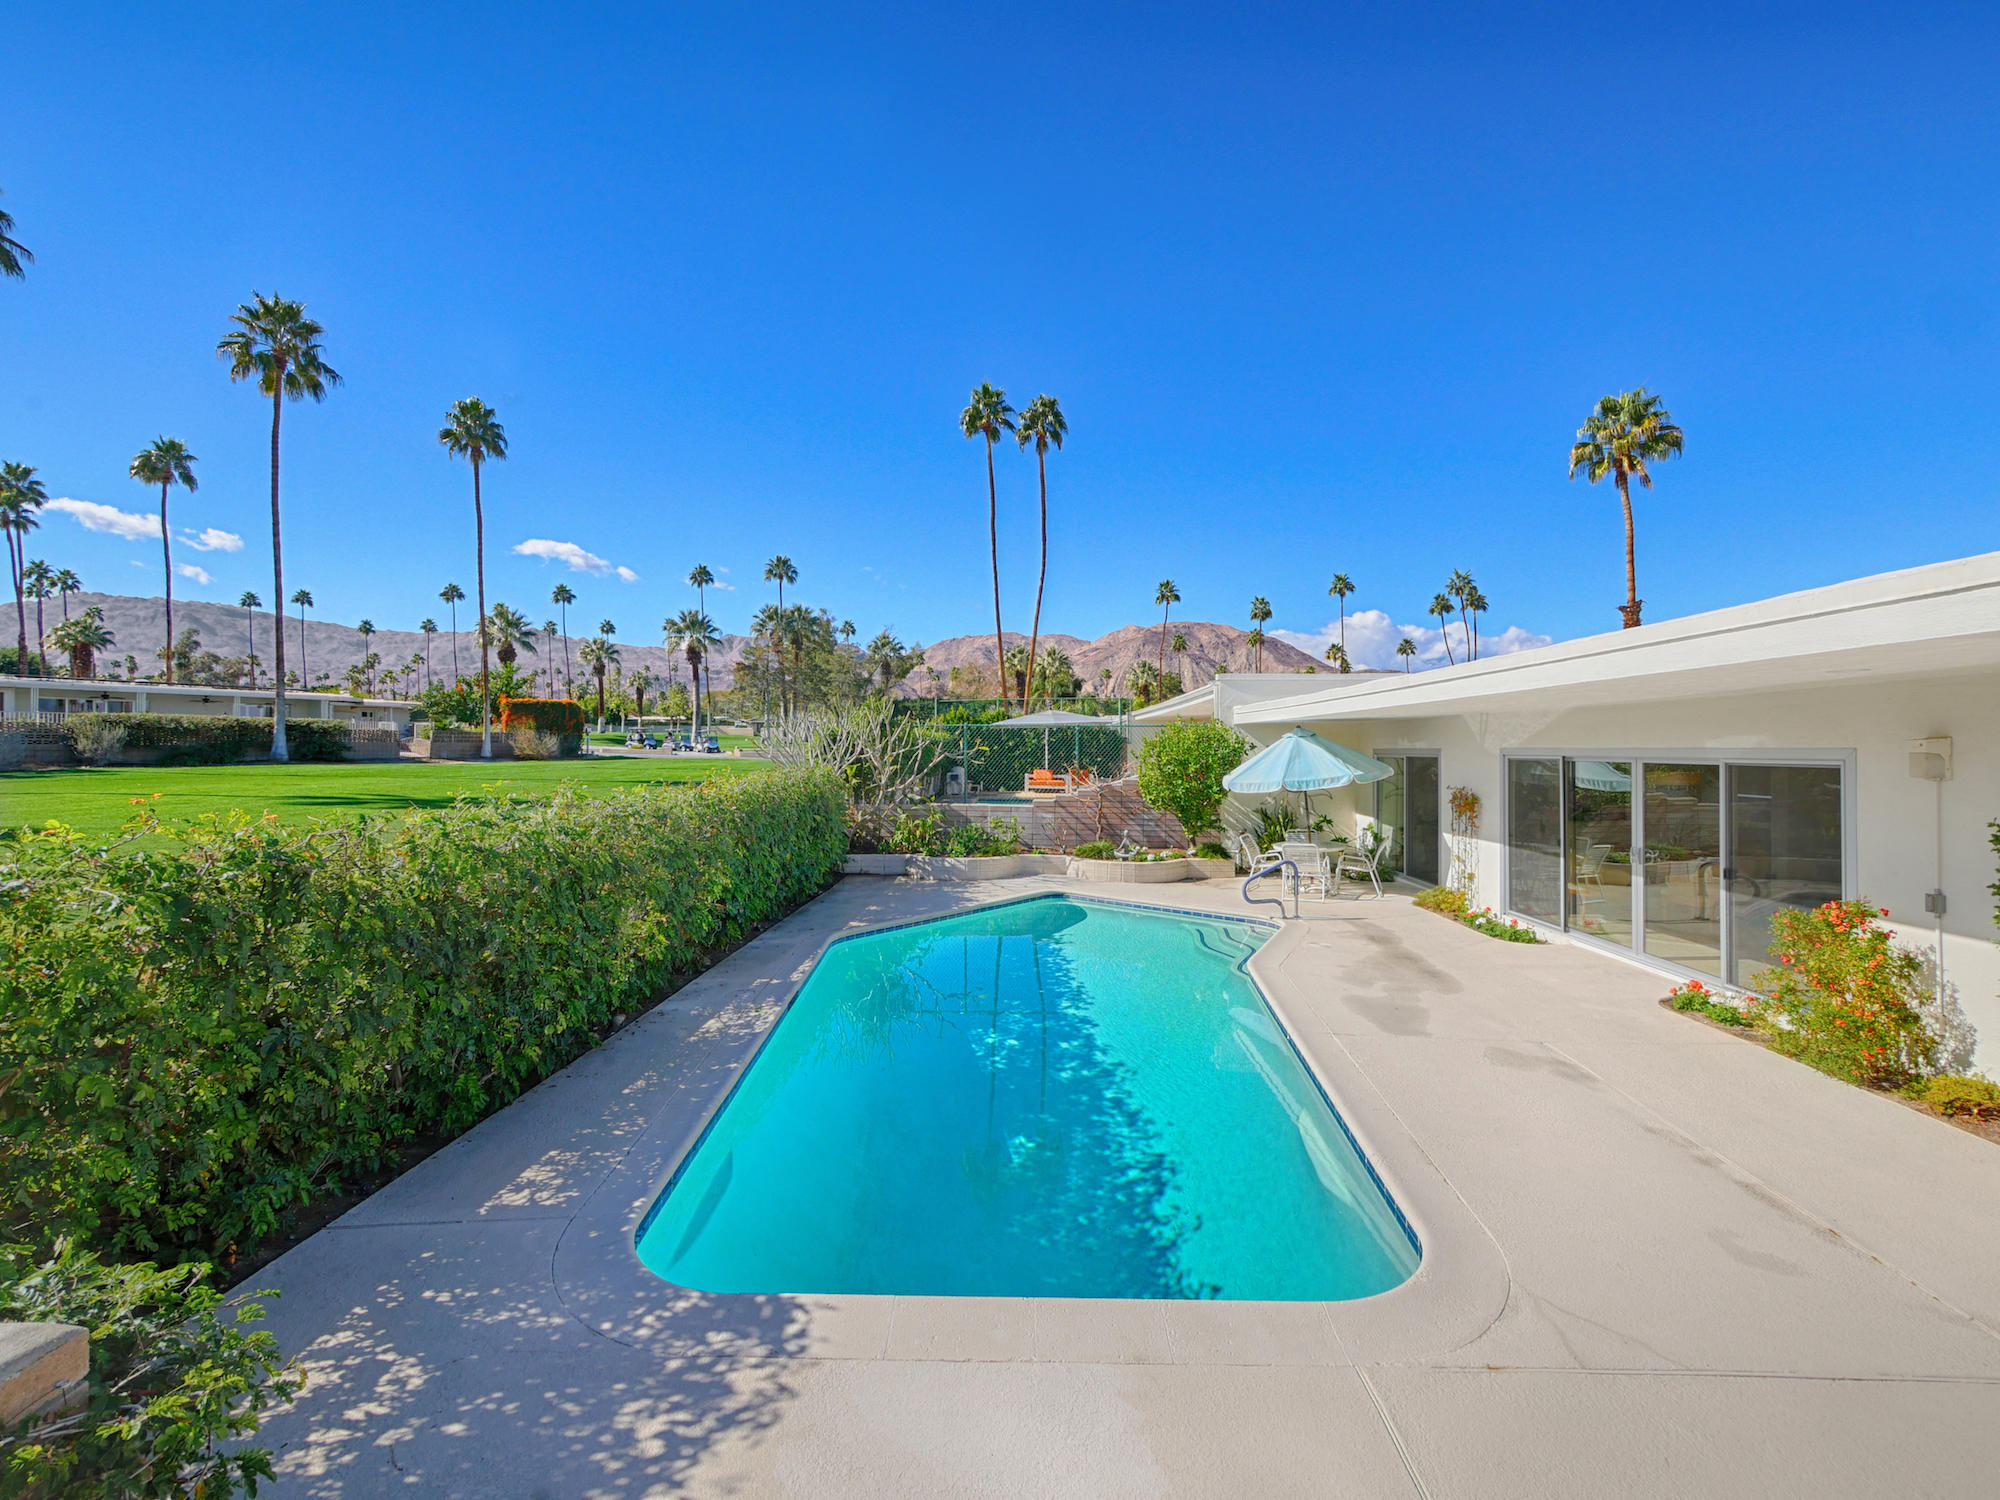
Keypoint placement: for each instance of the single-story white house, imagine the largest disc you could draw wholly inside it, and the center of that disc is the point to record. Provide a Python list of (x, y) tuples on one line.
[(24, 696), (1657, 793)]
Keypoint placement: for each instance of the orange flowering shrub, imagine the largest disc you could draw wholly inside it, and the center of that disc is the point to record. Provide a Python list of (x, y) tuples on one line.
[(1843, 996)]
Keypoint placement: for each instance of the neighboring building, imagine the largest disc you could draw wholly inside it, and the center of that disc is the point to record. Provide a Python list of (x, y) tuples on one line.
[(22, 696), (1844, 741)]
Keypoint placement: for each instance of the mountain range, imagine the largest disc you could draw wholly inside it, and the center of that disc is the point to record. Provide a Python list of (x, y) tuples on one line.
[(139, 624)]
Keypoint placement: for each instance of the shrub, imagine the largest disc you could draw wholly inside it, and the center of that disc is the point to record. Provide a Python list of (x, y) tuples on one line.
[(535, 744), (1181, 770), (1507, 929), (1443, 900), (169, 1380), (915, 835), (1844, 998), (209, 739), (983, 840), (97, 738), (201, 1036), (1699, 999), (1212, 850), (1097, 849), (556, 716), (1957, 1094)]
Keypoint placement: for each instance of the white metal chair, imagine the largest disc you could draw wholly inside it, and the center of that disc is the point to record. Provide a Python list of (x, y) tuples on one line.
[(1365, 861), (1315, 871)]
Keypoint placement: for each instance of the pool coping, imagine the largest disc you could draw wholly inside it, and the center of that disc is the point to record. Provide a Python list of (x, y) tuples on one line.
[(1458, 1289)]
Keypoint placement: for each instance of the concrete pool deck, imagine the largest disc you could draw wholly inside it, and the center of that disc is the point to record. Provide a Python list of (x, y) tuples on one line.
[(1657, 1261)]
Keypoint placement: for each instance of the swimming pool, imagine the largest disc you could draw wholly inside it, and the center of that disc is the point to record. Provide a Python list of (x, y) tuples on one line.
[(1054, 1097)]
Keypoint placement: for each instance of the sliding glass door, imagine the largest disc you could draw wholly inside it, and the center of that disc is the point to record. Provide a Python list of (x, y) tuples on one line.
[(1683, 861), (1406, 807)]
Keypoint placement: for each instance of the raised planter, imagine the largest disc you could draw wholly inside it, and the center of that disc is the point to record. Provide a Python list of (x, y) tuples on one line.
[(1132, 872), (875, 864), (1211, 869), (984, 867), (43, 1369)]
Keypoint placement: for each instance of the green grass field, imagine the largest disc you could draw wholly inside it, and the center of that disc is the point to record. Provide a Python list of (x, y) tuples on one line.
[(99, 801)]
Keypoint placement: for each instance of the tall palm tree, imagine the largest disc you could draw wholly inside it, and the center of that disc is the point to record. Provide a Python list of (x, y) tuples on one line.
[(1260, 611), (1178, 645), (249, 603), (83, 638), (67, 583), (304, 600), (1461, 587), (367, 632), (22, 496), (781, 571), (552, 630), (1476, 603), (1043, 426), (562, 596), (1441, 607), (166, 464), (275, 344), (986, 416), (430, 630), (1166, 596), (1406, 648), (699, 579), (40, 582), (1336, 654), (472, 431), (15, 257), (597, 654), (847, 629), (693, 634), (508, 630), (1625, 434), (1340, 588), (451, 593)]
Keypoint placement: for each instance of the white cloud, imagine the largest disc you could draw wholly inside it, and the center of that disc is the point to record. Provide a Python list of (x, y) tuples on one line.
[(91, 516), (1372, 637), (727, 588), (576, 558), (189, 570), (211, 540)]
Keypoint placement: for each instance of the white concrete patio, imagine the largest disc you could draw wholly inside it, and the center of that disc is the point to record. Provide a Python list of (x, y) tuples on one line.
[(1658, 1261)]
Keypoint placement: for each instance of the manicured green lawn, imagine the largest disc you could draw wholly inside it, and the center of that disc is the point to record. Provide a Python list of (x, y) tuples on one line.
[(99, 801)]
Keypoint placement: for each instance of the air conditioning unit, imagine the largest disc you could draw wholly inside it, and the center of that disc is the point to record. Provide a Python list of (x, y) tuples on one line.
[(954, 782)]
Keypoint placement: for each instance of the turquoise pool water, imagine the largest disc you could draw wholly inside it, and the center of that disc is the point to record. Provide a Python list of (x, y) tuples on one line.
[(1054, 1098)]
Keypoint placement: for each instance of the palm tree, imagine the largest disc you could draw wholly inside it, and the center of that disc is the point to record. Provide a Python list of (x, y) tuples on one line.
[(304, 600), (692, 633), (82, 638), (451, 593), (1461, 587), (1255, 641), (249, 603), (22, 496), (597, 654), (988, 415), (562, 596), (1406, 648), (1625, 434), (1476, 603), (472, 431), (1260, 611), (367, 632), (40, 582), (508, 630), (552, 630), (275, 344), (1142, 681), (166, 464), (1337, 655), (430, 630), (1043, 425), (14, 255), (67, 583), (699, 578), (1178, 645), (1166, 596), (780, 570), (1340, 588), (847, 629), (1441, 607)]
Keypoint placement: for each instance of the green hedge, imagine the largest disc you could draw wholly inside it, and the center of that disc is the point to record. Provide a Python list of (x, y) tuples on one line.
[(219, 739), (203, 1035), (561, 716)]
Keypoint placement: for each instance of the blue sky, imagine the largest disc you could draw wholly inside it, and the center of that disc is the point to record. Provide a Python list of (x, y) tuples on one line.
[(1319, 289)]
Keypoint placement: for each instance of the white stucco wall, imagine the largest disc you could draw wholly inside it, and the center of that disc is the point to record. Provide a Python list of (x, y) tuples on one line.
[(1895, 821)]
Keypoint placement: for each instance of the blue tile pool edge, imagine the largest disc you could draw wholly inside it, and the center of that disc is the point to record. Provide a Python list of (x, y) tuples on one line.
[(1271, 929)]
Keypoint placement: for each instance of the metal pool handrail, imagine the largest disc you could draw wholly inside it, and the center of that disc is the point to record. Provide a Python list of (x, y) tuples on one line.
[(1279, 899)]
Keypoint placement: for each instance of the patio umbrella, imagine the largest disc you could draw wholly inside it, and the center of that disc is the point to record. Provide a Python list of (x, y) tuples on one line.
[(1303, 762)]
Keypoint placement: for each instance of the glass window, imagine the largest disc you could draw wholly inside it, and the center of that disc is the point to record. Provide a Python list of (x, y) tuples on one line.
[(1599, 807), (1406, 805), (1534, 838), (1784, 850), (1683, 865)]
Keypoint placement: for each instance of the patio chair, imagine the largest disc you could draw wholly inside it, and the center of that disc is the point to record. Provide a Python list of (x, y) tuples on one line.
[(1315, 870), (1366, 861)]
